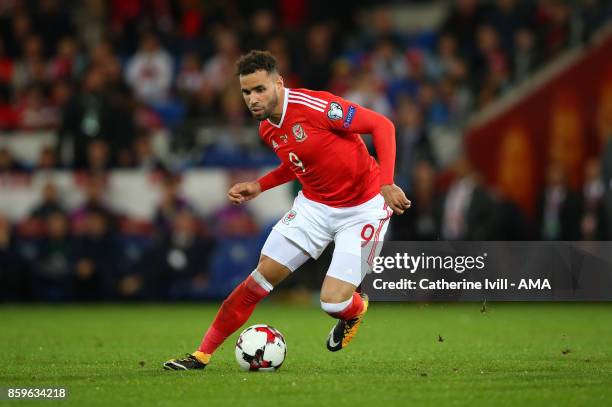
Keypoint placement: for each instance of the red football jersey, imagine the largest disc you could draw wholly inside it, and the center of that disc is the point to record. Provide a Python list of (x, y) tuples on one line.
[(318, 140)]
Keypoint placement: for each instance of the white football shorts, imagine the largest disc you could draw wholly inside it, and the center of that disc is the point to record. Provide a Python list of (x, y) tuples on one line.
[(307, 229)]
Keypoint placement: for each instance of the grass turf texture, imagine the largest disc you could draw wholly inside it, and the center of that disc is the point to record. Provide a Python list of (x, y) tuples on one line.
[(404, 354)]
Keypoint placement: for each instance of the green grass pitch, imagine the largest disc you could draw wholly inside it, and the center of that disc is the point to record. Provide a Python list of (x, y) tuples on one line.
[(404, 354)]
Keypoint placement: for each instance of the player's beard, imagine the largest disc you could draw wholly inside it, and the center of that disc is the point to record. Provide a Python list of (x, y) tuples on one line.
[(267, 111)]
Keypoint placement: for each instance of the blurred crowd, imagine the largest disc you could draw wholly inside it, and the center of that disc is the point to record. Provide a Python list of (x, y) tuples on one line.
[(93, 252), (103, 75), (465, 209), (110, 71)]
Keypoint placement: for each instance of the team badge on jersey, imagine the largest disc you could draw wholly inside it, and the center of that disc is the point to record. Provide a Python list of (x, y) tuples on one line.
[(284, 138), (274, 144), (299, 133), (335, 111), (289, 217)]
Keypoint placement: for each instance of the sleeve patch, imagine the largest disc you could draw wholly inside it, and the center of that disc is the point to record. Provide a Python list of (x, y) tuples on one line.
[(349, 117), (335, 111)]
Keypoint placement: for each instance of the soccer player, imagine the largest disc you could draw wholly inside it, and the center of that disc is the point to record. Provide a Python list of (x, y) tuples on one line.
[(347, 197)]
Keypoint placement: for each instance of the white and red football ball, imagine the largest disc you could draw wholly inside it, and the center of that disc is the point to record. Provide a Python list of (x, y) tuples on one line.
[(260, 348)]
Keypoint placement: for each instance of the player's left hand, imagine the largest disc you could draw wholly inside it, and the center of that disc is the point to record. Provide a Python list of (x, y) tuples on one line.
[(395, 198)]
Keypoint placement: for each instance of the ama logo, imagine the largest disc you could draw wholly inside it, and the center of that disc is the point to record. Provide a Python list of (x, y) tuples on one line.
[(537, 284)]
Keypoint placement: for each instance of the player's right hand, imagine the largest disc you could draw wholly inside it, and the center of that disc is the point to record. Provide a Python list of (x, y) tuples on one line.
[(243, 191), (395, 198)]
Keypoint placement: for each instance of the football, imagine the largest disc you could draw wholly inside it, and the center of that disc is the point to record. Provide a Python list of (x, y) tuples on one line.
[(260, 348)]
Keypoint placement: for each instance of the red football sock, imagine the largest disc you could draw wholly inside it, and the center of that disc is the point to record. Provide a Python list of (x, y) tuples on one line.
[(352, 310), (234, 312)]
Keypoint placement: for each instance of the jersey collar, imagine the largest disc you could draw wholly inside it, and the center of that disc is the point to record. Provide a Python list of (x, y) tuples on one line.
[(285, 102)]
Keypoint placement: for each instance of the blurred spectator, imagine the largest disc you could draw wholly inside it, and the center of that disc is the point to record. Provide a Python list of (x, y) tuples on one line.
[(30, 68), (340, 77), (462, 22), (6, 67), (191, 24), (422, 221), (197, 95), (469, 211), (219, 70), (14, 276), (50, 203), (441, 62), (506, 16), (377, 23), (366, 91), (47, 159), (34, 111), (53, 262), (434, 111), (388, 63), (553, 21), (232, 221), (97, 257), (104, 57), (93, 114), (53, 21), (280, 49), (233, 107), (90, 18), (262, 26), (94, 186), (455, 102), (190, 78), (171, 203), (20, 29), (8, 164), (526, 57), (179, 262), (98, 158), (149, 71), (558, 208), (412, 141), (417, 76), (489, 61), (235, 221), (510, 221), (67, 63), (144, 156), (61, 93), (316, 57), (8, 116), (593, 224)]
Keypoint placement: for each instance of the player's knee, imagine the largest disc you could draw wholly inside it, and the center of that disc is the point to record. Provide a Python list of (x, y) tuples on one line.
[(272, 271)]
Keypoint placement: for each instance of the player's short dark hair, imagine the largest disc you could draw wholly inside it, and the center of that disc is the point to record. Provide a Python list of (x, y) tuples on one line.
[(255, 61)]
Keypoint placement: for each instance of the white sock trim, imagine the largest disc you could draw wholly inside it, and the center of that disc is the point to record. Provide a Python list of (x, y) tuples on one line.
[(334, 308), (261, 280)]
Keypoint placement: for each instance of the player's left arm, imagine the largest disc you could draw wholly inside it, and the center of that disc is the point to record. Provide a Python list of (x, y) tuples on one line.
[(349, 117)]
